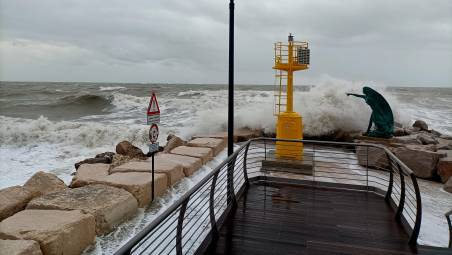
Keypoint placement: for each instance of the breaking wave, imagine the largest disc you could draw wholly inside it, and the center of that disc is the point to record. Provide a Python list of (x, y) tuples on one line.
[(21, 132)]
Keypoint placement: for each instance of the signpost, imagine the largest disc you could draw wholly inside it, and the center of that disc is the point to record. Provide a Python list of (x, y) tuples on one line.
[(153, 119)]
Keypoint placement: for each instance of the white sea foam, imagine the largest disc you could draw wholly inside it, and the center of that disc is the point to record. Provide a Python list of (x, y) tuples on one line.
[(111, 88)]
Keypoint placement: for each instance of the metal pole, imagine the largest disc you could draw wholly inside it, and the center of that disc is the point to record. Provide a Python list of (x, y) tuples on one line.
[(231, 80), (152, 185)]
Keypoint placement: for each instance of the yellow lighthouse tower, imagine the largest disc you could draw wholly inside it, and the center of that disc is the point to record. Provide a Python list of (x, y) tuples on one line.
[(289, 57)]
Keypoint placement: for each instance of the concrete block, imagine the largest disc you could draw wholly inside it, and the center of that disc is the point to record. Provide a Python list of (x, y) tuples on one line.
[(217, 145), (109, 205), (189, 164), (205, 154), (19, 247), (57, 232), (13, 200), (173, 171)]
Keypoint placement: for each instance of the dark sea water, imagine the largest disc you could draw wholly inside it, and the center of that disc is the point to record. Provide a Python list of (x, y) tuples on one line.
[(50, 126)]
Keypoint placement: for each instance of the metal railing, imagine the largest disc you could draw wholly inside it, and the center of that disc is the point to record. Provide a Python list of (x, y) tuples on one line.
[(190, 224), (449, 222)]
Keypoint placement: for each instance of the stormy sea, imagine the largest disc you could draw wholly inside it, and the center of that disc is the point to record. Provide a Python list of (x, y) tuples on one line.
[(50, 126)]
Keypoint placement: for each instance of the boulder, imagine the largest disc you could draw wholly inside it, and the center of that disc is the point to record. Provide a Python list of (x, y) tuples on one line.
[(217, 145), (89, 173), (119, 159), (19, 247), (445, 168), (13, 200), (205, 154), (189, 164), (422, 162), (137, 183), (435, 133), (172, 143), (443, 144), (57, 232), (109, 205), (108, 154), (127, 149), (105, 160), (372, 156), (173, 171), (42, 183), (447, 137), (408, 139), (421, 125), (399, 131), (426, 139), (448, 185)]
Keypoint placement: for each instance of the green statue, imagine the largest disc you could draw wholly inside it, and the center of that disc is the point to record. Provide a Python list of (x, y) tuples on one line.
[(381, 114)]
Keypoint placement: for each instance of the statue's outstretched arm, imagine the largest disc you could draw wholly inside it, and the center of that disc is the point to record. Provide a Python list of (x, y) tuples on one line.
[(356, 95)]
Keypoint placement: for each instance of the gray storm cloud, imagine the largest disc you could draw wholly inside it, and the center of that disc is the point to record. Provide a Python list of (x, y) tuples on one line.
[(395, 42)]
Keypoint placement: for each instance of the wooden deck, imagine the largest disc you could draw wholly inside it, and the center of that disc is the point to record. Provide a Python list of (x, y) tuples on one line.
[(306, 220)]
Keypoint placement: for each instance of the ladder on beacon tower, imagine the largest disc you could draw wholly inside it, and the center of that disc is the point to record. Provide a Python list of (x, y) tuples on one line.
[(289, 57)]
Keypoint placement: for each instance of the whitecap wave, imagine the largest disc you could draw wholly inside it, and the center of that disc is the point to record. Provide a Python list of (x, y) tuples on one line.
[(111, 88)]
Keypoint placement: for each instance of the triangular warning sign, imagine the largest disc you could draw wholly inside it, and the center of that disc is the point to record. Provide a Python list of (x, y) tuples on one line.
[(153, 107)]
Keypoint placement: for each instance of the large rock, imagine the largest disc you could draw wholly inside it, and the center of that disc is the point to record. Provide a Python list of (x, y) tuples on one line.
[(173, 142), (109, 205), (217, 145), (13, 200), (119, 159), (137, 183), (421, 125), (19, 247), (448, 185), (58, 232), (443, 144), (372, 156), (408, 139), (88, 174), (189, 164), (104, 160), (421, 161), (127, 149), (445, 168), (205, 154), (173, 171), (42, 183), (427, 139)]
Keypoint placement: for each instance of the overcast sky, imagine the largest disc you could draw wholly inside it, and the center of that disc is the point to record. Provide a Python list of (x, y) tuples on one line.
[(394, 42)]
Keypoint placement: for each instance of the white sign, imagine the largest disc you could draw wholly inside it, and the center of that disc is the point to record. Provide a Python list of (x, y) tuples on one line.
[(154, 133), (153, 119)]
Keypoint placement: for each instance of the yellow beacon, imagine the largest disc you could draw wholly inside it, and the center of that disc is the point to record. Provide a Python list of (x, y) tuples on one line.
[(289, 57)]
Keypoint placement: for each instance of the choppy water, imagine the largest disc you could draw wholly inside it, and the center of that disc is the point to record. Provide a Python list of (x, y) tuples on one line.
[(50, 126)]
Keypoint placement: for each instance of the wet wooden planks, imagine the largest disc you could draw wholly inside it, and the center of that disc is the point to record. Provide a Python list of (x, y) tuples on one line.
[(306, 220)]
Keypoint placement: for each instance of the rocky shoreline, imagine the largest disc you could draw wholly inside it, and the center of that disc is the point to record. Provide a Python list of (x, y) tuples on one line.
[(46, 216)]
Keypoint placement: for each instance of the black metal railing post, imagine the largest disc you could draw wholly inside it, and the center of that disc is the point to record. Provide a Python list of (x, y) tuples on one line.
[(391, 180), (417, 223), (399, 212), (230, 183), (180, 223), (449, 222), (213, 221), (245, 171)]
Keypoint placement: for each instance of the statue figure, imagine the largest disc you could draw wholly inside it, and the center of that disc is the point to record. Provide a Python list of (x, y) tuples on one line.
[(381, 115)]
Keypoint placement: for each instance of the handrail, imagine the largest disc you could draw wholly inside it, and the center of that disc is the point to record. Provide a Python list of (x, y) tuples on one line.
[(449, 222), (202, 210)]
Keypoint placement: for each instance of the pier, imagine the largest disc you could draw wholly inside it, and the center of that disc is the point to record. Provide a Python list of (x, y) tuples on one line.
[(359, 199)]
